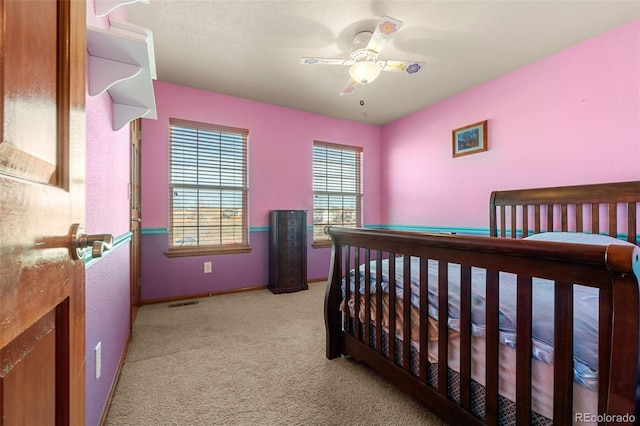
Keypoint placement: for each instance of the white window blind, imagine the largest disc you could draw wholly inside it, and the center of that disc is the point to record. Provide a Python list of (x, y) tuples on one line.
[(207, 185), (337, 187)]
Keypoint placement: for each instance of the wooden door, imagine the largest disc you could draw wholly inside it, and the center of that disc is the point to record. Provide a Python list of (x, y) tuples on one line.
[(136, 218), (42, 311)]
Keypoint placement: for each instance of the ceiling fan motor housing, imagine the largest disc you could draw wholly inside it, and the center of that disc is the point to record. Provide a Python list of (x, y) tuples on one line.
[(360, 52)]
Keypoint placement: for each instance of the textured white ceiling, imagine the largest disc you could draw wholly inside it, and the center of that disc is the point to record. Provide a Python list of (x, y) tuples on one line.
[(252, 49)]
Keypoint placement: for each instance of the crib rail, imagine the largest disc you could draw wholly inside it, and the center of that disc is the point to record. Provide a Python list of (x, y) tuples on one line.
[(609, 208), (608, 268)]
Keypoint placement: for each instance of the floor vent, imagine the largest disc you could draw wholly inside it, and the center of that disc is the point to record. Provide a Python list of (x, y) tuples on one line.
[(193, 302)]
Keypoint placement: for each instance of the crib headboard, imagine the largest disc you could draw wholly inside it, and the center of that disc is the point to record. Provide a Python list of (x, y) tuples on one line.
[(609, 208)]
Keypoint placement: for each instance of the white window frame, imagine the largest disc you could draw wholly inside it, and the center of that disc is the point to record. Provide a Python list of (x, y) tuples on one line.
[(337, 188), (208, 189)]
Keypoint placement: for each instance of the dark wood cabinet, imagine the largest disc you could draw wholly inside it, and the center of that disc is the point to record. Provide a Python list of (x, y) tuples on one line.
[(287, 251)]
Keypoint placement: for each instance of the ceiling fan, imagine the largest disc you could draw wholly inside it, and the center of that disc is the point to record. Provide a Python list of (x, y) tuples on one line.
[(363, 59)]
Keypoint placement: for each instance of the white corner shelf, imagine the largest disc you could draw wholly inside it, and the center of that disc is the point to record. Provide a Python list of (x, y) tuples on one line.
[(122, 62), (104, 7)]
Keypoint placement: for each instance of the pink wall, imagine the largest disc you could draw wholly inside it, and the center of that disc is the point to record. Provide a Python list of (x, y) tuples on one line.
[(280, 151), (570, 118), (107, 170), (280, 177), (107, 155)]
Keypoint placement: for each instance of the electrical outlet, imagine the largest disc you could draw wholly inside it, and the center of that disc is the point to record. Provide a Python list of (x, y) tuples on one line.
[(98, 351), (207, 267)]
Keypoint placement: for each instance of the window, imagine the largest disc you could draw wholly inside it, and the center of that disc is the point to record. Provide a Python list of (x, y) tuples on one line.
[(337, 188), (207, 189)]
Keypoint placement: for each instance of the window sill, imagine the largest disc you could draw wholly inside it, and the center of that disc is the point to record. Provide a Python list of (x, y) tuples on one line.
[(321, 244), (203, 251)]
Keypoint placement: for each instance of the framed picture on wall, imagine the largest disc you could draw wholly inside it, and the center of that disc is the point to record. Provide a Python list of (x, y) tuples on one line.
[(470, 139)]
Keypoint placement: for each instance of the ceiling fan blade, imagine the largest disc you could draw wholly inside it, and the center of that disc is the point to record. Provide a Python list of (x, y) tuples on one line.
[(326, 61), (349, 88), (410, 67), (382, 34)]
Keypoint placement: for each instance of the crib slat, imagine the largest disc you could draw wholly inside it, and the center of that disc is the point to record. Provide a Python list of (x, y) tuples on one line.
[(514, 226), (406, 313), (525, 221), (605, 305), (625, 331), (424, 321), (379, 302), (502, 221), (563, 354), (550, 218), (347, 287), (443, 316), (536, 213), (579, 225), (465, 337), (492, 296), (564, 223), (631, 223), (356, 294), (523, 351), (367, 296), (392, 307), (595, 218), (613, 220)]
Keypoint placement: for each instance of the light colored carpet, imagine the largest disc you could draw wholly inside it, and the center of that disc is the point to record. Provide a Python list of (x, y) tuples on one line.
[(251, 358)]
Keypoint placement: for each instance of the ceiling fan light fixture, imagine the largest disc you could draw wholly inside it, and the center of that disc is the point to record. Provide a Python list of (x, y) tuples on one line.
[(364, 72)]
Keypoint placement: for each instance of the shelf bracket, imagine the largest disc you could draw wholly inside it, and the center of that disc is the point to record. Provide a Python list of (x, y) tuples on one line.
[(106, 72), (123, 114), (122, 63)]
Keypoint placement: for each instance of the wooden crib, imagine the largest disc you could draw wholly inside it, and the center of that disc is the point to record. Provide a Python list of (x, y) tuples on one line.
[(490, 375)]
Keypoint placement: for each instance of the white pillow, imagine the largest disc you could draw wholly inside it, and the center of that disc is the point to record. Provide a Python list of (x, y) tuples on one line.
[(577, 238)]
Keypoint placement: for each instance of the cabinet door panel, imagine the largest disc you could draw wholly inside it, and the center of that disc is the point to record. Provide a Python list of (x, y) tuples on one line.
[(289, 244)]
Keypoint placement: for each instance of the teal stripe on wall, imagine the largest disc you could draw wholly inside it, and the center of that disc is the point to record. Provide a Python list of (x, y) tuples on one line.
[(157, 231), (395, 227), (266, 228), (432, 229), (373, 226), (118, 242), (151, 231), (448, 230)]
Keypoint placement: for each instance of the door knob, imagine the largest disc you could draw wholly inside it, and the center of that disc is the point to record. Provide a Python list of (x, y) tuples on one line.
[(80, 241)]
